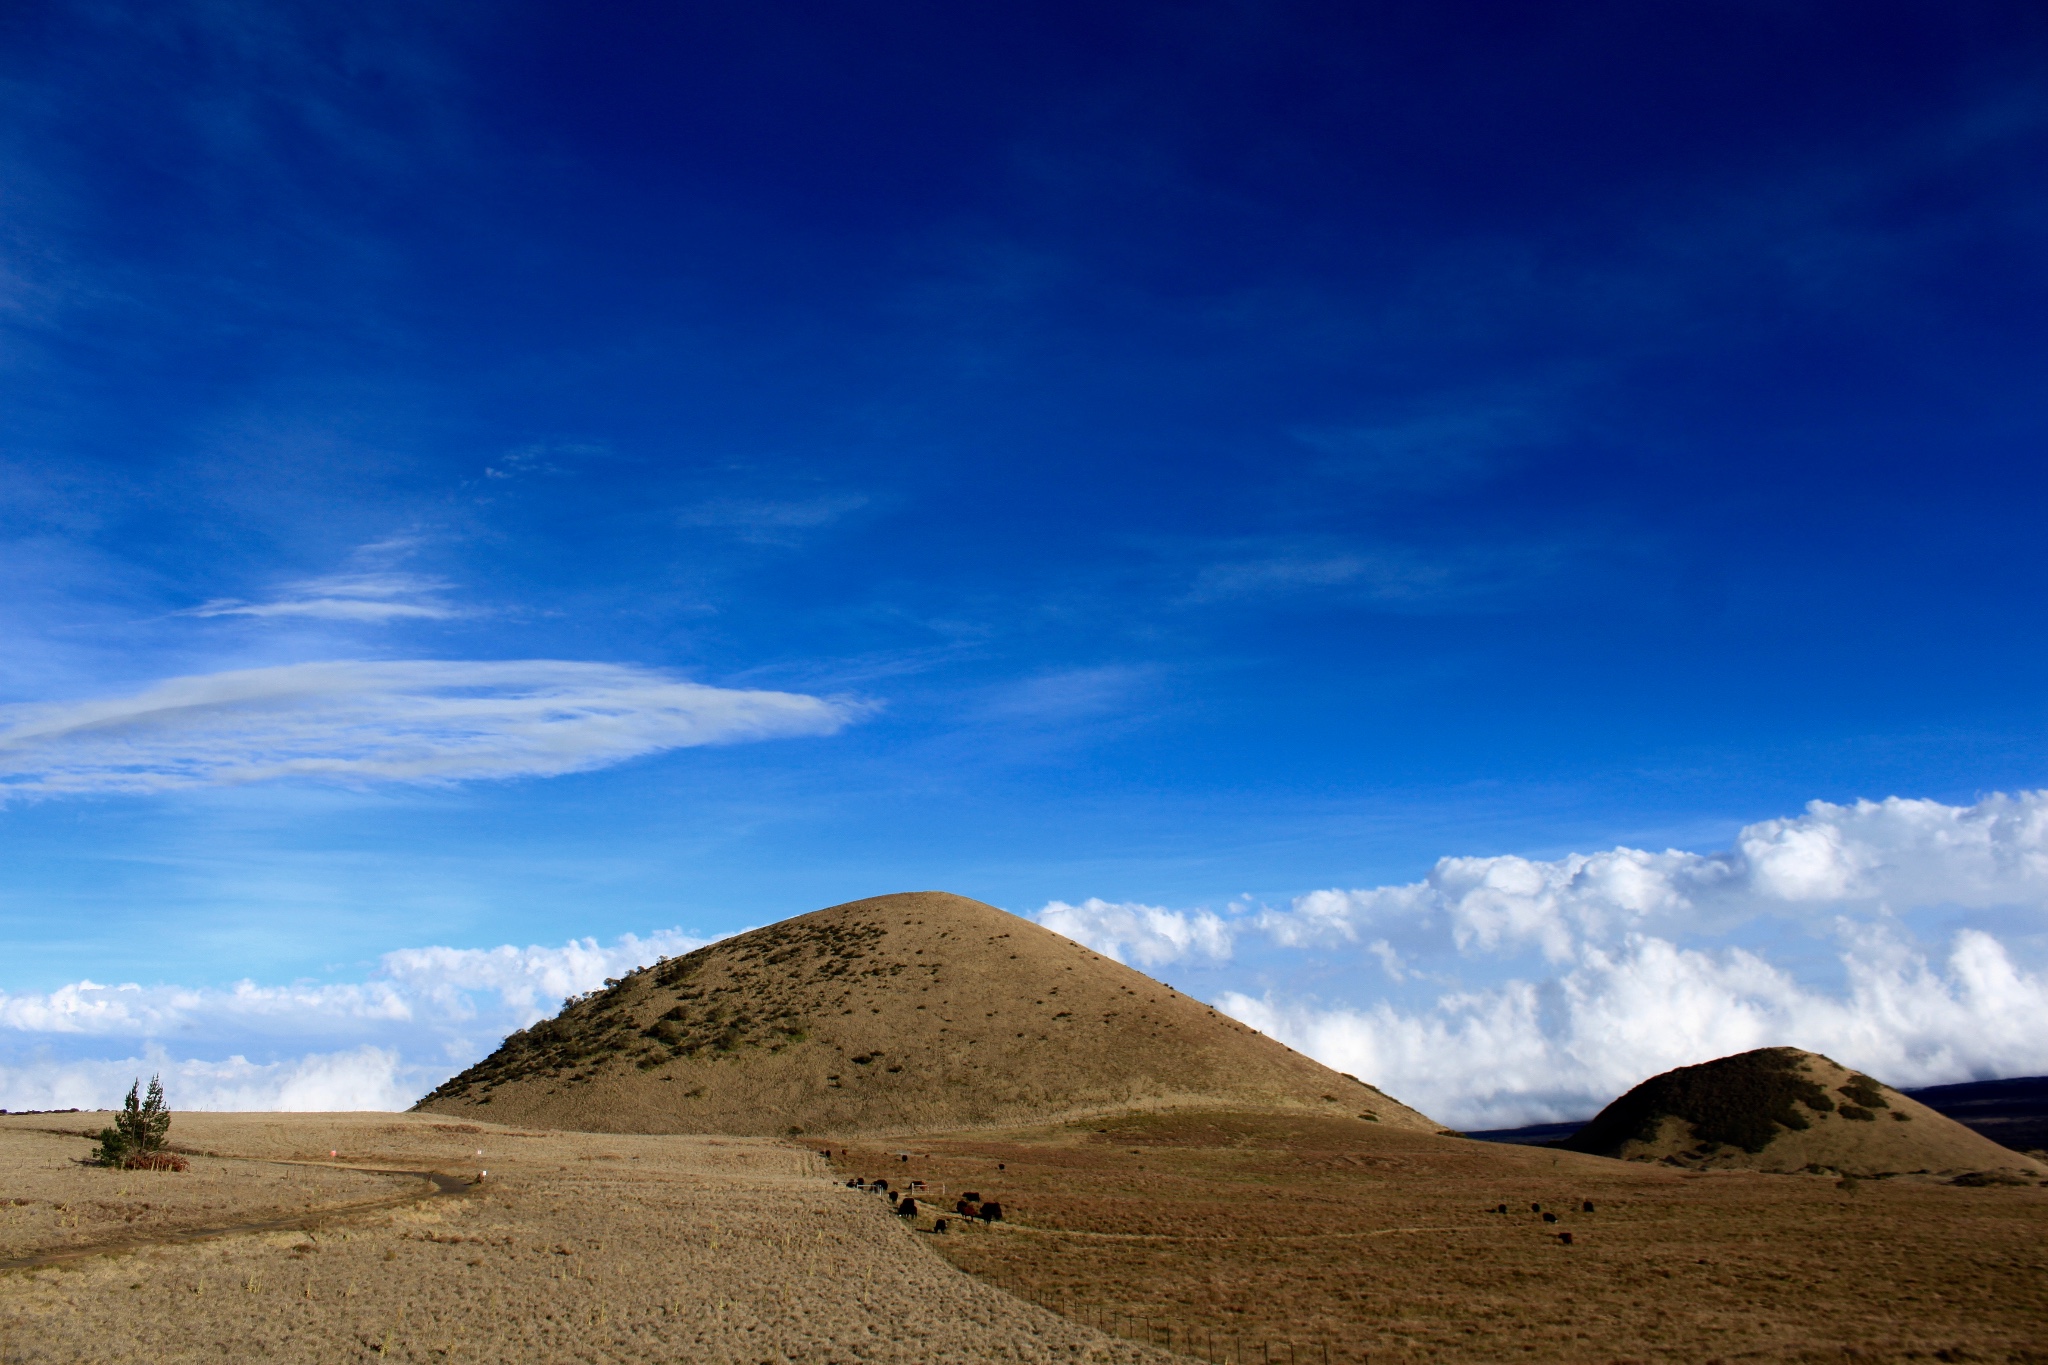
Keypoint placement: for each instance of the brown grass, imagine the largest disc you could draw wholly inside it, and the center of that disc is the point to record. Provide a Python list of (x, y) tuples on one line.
[(1781, 1109), (916, 1011), (1384, 1245), (578, 1247)]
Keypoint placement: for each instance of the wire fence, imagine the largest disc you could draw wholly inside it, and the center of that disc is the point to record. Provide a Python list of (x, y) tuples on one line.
[(1197, 1341)]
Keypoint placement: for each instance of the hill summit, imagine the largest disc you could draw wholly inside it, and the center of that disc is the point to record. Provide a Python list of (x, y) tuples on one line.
[(1781, 1109), (922, 1011)]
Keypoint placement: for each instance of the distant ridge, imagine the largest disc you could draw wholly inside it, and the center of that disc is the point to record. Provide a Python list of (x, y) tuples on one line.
[(1781, 1109), (922, 1011)]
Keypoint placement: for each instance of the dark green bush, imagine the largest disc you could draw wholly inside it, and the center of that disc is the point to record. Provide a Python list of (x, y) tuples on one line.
[(1863, 1091)]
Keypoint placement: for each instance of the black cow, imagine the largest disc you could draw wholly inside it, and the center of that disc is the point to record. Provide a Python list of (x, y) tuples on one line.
[(939, 1226), (908, 1208), (1586, 1207), (967, 1208), (1502, 1209), (971, 1196), (1535, 1208), (1564, 1238), (991, 1212), (1550, 1218)]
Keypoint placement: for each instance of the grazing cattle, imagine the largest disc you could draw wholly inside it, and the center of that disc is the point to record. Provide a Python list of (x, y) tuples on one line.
[(908, 1208), (1586, 1207), (881, 1185), (1564, 1238), (1535, 1208), (1550, 1218), (1502, 1209), (967, 1208), (991, 1212), (972, 1196), (939, 1226), (854, 1183)]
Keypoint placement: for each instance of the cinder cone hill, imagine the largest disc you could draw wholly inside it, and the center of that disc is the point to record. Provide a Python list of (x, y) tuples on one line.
[(1781, 1109), (915, 1012)]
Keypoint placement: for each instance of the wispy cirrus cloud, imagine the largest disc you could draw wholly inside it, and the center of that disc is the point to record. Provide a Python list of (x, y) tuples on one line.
[(771, 521), (1387, 577), (367, 597), (423, 721)]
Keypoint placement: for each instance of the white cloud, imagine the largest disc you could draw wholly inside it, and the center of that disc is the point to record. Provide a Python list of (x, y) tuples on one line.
[(370, 597), (1148, 935), (424, 1014), (361, 1078), (399, 720), (375, 594), (1559, 983), (1894, 853), (1528, 1052)]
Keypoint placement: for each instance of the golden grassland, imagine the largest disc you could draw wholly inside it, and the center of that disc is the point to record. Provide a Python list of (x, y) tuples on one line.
[(577, 1247), (1384, 1244)]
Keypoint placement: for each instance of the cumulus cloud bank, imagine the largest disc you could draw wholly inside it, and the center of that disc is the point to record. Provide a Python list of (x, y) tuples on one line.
[(1148, 935), (375, 1044), (1639, 964), (395, 720)]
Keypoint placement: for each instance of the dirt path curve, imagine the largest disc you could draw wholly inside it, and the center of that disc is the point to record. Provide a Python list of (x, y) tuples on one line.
[(439, 1186)]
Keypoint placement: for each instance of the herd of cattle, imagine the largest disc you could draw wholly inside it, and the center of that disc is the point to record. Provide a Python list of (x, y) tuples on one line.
[(971, 1205), (904, 1202)]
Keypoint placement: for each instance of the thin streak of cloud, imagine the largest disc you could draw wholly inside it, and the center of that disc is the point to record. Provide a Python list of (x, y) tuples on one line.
[(771, 521), (422, 721), (344, 597)]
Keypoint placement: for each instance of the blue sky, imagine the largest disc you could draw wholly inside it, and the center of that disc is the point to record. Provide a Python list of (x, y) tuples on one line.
[(483, 479)]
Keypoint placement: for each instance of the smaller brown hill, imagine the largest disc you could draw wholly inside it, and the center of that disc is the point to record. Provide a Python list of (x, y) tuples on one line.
[(915, 1012), (1781, 1109)]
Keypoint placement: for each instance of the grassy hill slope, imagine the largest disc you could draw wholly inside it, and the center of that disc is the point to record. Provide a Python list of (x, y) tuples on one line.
[(922, 1011), (1781, 1109)]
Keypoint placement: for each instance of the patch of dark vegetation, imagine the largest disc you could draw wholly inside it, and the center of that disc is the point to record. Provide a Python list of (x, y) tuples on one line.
[(1857, 1113), (136, 1140), (1862, 1090), (1740, 1101)]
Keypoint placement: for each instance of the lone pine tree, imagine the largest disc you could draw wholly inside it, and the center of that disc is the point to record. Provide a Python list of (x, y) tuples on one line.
[(139, 1130)]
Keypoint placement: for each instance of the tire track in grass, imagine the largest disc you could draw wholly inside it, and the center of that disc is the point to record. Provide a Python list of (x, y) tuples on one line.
[(439, 1186)]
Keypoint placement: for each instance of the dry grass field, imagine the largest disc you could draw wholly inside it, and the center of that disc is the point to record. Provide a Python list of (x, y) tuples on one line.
[(1381, 1243), (577, 1247)]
